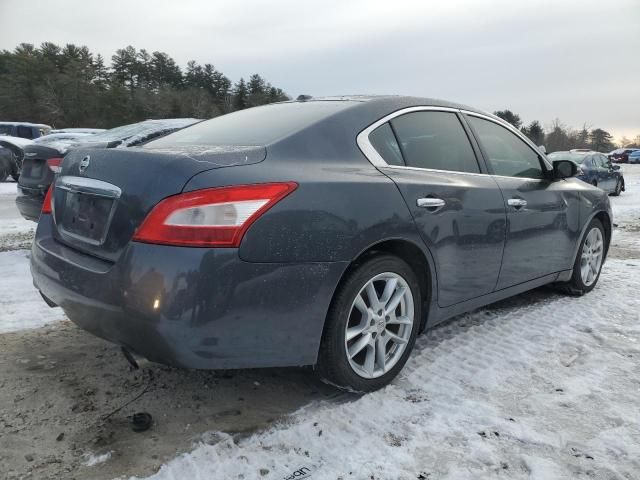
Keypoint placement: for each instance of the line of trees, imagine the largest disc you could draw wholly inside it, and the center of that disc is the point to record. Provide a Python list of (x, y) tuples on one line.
[(559, 137), (71, 87)]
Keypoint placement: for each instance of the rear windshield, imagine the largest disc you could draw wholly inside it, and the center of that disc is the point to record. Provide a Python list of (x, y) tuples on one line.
[(254, 126), (574, 157)]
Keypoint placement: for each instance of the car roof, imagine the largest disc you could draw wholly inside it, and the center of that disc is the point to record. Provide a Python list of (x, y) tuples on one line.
[(400, 100)]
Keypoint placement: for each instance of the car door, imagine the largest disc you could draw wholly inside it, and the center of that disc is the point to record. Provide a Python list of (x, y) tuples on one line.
[(457, 207), (609, 174), (542, 213)]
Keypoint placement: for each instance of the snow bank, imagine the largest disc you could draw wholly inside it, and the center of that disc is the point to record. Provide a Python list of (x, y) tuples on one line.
[(21, 305)]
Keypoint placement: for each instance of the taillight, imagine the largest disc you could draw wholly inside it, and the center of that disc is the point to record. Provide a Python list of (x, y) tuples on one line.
[(46, 205), (55, 164), (213, 217)]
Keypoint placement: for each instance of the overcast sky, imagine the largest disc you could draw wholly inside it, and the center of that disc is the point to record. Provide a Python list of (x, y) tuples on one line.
[(574, 60)]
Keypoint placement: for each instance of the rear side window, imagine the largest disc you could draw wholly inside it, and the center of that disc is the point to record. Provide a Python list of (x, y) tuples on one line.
[(256, 126), (435, 140), (384, 141), (24, 132), (508, 155)]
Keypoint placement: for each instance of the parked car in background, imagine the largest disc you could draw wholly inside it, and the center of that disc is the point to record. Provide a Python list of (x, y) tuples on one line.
[(595, 168), (11, 156), (43, 158), (24, 129), (7, 162), (621, 155), (634, 157), (321, 232)]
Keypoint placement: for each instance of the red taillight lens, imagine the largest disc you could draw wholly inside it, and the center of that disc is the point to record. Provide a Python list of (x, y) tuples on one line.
[(46, 205), (213, 217), (55, 164)]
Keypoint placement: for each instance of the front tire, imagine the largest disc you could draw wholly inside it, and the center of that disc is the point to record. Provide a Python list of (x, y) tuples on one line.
[(588, 264), (371, 326)]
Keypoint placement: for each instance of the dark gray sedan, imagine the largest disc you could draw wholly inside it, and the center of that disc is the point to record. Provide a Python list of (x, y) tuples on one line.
[(324, 232)]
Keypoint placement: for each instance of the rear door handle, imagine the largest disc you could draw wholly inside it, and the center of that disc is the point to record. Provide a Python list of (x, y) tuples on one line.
[(432, 204), (517, 203)]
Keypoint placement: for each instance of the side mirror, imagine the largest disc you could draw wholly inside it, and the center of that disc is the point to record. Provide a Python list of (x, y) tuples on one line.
[(542, 148), (564, 169)]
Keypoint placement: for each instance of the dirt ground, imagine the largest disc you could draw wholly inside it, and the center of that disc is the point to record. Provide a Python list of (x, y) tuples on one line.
[(61, 405)]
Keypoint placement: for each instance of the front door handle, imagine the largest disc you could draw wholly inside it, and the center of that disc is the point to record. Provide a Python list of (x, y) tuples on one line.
[(430, 203), (517, 203)]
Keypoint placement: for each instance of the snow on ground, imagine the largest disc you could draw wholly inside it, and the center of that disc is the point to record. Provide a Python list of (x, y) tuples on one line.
[(626, 211), (21, 305), (539, 386), (523, 389), (11, 222)]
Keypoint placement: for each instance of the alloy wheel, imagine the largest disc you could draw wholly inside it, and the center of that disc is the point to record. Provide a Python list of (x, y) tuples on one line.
[(592, 253), (379, 325)]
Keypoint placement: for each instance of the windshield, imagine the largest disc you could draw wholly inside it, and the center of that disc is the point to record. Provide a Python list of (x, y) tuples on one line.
[(256, 126), (574, 157)]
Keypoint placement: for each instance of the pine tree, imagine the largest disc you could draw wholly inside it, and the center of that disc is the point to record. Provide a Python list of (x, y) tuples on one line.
[(601, 140), (534, 132), (509, 116), (72, 87), (240, 95)]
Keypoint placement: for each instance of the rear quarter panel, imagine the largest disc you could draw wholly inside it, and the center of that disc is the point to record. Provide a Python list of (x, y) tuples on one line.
[(337, 211)]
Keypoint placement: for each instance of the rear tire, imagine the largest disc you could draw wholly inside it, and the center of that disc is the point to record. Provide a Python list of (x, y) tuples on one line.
[(589, 261), (367, 341)]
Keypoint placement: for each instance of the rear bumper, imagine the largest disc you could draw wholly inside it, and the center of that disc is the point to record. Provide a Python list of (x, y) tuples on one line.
[(29, 202), (191, 307)]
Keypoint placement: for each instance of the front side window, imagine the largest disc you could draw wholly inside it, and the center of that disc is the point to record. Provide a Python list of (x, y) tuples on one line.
[(605, 161), (435, 140), (507, 153), (599, 161)]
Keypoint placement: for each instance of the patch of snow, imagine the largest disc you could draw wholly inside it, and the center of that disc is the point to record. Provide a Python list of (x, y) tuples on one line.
[(21, 305), (94, 459), (9, 188), (11, 222)]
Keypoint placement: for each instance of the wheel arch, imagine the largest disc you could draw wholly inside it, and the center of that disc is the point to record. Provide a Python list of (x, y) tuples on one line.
[(605, 219), (418, 258)]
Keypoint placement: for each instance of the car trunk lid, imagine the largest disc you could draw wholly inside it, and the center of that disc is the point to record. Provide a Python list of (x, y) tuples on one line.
[(35, 173), (103, 195)]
